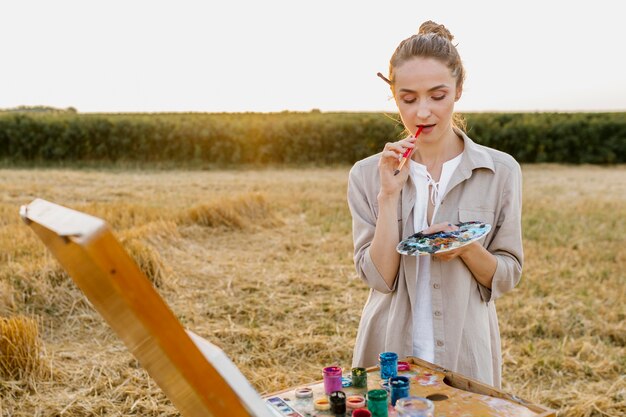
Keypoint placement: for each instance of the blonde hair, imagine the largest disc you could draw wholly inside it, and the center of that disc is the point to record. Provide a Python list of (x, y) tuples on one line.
[(431, 41)]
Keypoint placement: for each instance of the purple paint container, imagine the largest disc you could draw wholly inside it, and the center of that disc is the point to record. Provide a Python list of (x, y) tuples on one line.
[(332, 379)]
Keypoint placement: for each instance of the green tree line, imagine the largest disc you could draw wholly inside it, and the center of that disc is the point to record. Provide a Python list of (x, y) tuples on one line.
[(292, 137)]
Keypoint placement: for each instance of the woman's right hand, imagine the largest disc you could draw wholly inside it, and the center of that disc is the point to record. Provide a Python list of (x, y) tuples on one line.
[(390, 184)]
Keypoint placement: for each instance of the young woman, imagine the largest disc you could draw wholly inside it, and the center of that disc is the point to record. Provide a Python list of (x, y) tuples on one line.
[(439, 308)]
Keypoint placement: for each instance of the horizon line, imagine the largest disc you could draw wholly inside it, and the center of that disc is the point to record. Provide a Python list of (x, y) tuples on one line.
[(72, 109)]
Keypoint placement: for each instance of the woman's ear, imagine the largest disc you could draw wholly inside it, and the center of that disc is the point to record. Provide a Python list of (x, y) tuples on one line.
[(459, 92)]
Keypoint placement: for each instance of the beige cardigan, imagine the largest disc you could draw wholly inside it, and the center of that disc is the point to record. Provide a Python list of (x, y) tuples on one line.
[(486, 186)]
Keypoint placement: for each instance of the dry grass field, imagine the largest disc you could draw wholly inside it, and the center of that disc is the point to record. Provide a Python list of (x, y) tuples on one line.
[(260, 263)]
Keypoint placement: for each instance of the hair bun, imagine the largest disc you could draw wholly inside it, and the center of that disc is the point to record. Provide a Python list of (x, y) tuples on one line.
[(432, 27)]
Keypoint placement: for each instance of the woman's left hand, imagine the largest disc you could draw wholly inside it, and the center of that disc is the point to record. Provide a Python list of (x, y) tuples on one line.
[(454, 253), (448, 255), (478, 260)]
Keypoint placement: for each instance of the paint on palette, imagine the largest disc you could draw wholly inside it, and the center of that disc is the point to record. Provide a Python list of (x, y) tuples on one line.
[(428, 244), (427, 379), (282, 407)]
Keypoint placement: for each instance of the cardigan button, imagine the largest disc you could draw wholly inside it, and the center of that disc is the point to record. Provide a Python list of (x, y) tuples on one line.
[(439, 342), (437, 313), (436, 286)]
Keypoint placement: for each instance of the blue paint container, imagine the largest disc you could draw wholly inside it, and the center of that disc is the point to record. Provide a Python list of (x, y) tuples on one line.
[(388, 362), (399, 386)]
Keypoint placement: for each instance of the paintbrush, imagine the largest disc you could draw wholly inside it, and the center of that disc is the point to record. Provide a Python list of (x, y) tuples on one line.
[(407, 153)]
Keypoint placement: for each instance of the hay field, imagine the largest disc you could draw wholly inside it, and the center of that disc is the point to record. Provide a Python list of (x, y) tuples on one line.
[(260, 263)]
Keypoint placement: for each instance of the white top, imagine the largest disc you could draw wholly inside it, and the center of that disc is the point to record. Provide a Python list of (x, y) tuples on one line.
[(423, 336)]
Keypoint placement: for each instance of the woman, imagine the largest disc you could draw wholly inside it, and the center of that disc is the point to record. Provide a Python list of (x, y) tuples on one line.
[(439, 308)]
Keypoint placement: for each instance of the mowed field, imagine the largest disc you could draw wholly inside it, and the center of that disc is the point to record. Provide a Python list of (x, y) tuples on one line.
[(260, 263)]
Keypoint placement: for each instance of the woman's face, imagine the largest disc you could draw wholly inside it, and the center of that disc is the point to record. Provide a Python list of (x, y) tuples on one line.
[(425, 93)]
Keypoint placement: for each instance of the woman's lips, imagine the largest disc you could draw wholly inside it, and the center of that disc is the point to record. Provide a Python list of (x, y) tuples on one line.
[(427, 128)]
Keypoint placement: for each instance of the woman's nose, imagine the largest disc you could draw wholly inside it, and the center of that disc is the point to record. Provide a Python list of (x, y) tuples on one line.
[(423, 110)]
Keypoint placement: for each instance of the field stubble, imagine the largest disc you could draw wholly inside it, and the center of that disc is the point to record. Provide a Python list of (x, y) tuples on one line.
[(260, 263)]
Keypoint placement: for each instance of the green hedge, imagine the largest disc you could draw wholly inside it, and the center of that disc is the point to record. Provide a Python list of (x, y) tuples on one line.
[(285, 138)]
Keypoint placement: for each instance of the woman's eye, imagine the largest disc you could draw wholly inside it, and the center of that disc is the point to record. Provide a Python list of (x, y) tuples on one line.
[(439, 97), (409, 100)]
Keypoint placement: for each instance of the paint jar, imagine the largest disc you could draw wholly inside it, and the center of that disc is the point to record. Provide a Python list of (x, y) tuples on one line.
[(415, 407), (337, 402), (332, 379), (304, 399), (304, 392), (404, 366), (355, 401), (361, 412), (388, 362), (359, 377), (321, 404), (399, 388), (377, 402)]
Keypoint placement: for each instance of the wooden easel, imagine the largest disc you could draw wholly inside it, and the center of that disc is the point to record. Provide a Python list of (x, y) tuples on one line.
[(194, 374)]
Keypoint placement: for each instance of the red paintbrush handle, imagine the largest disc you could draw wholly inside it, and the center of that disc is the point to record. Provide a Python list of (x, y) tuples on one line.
[(408, 151)]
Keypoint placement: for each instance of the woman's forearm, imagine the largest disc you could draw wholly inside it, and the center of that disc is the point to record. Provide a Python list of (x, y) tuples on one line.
[(480, 262), (386, 237)]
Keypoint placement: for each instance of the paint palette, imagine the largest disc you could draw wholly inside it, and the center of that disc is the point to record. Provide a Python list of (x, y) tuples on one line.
[(453, 395), (428, 244)]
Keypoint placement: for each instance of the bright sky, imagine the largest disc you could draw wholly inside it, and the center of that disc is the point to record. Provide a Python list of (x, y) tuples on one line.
[(274, 55)]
